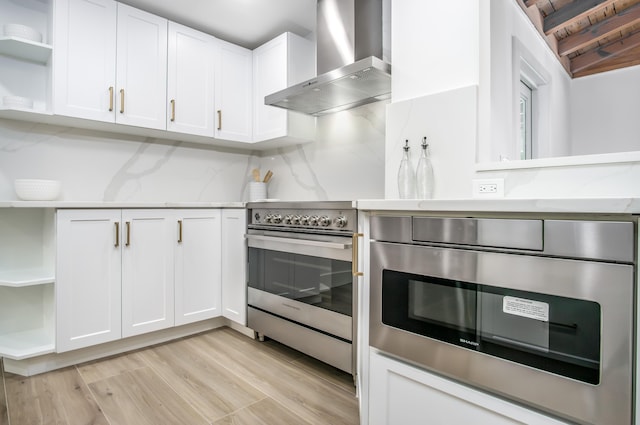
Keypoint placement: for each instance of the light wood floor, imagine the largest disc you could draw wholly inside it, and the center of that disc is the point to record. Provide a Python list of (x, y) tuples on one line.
[(220, 378)]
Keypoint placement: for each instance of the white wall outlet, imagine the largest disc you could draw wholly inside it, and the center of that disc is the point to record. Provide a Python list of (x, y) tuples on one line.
[(488, 188)]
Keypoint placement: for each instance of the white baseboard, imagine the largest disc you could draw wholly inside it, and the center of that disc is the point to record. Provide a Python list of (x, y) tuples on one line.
[(49, 362)]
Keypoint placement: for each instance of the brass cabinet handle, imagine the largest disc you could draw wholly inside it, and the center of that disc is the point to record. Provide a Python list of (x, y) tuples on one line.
[(122, 101), (117, 244), (128, 242), (179, 231), (110, 98), (173, 109), (354, 254), (219, 119)]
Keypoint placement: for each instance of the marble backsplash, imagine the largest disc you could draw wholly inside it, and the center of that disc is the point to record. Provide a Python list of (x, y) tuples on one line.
[(345, 162)]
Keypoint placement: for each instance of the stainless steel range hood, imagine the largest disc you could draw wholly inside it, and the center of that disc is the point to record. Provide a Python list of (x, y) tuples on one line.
[(353, 43)]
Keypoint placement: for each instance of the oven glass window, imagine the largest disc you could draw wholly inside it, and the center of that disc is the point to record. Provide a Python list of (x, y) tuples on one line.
[(322, 282), (556, 334)]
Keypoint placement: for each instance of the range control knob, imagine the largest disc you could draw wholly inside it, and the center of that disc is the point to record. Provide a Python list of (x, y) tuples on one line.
[(313, 221), (288, 219), (296, 219), (276, 219), (268, 218), (304, 220), (325, 221), (341, 221)]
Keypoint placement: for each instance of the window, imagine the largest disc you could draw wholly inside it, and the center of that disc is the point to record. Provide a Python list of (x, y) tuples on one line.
[(526, 121)]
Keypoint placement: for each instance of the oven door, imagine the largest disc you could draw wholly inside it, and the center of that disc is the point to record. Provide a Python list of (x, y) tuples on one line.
[(556, 334), (306, 278)]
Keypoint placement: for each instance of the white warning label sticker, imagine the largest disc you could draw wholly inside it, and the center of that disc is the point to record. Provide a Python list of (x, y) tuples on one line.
[(526, 308)]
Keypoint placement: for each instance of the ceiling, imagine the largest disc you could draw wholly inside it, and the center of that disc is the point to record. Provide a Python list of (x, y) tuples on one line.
[(589, 36), (248, 23)]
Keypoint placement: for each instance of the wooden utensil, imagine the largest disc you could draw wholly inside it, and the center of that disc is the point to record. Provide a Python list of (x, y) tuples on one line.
[(256, 174), (267, 176)]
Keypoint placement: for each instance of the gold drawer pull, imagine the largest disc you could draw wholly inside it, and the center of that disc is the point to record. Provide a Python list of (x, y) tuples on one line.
[(117, 244), (122, 101), (219, 119), (354, 254), (173, 109), (110, 98)]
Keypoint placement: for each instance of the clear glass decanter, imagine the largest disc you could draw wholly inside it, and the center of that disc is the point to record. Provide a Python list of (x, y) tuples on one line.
[(424, 173), (406, 176)]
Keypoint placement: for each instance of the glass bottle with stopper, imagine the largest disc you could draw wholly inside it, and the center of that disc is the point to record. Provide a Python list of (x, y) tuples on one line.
[(424, 173), (406, 176)]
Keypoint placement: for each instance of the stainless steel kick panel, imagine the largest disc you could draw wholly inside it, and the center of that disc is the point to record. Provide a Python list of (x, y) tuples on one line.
[(323, 347), (320, 318), (602, 240), (490, 232)]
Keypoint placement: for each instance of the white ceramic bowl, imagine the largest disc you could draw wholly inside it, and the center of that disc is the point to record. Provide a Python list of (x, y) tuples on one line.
[(17, 102), (37, 190), (22, 31)]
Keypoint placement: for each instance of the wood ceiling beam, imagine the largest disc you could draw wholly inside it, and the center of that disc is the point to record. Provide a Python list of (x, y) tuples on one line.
[(529, 3), (630, 58), (600, 30), (606, 52), (572, 13)]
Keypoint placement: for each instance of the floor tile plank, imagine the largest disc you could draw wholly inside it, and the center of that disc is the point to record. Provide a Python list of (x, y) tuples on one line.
[(264, 412), (112, 366), (58, 397), (141, 397), (209, 387), (4, 414), (312, 398)]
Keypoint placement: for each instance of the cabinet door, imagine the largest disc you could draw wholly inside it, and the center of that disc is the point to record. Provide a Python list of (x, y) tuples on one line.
[(197, 274), (147, 271), (190, 85), (399, 393), (84, 63), (234, 265), (234, 93), (269, 76), (141, 85), (87, 278)]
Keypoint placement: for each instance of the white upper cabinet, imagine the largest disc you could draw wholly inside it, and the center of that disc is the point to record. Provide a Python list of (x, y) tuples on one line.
[(109, 63), (141, 61), (190, 84), (286, 60), (234, 75), (197, 265), (147, 271), (84, 70)]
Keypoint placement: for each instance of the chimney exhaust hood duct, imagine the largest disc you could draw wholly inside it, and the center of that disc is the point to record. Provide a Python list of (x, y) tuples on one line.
[(353, 43)]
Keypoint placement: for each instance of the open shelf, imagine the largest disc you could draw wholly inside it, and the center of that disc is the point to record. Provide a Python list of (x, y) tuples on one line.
[(28, 277), (31, 343), (25, 49)]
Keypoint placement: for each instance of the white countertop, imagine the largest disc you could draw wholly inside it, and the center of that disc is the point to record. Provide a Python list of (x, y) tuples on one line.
[(550, 205), (103, 204)]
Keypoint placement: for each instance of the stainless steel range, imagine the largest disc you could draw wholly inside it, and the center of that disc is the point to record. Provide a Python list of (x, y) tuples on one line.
[(301, 290)]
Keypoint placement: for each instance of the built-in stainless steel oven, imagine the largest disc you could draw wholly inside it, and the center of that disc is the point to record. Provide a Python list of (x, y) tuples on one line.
[(301, 289), (540, 311)]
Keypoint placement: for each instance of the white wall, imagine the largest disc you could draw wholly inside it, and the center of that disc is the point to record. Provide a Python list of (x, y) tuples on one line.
[(510, 26), (605, 111), (345, 162), (434, 47)]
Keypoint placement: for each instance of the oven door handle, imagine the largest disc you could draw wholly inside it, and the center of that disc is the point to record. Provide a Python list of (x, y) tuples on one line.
[(306, 242)]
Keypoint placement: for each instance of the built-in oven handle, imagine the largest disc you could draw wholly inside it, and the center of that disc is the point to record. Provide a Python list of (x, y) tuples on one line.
[(307, 242), (354, 254)]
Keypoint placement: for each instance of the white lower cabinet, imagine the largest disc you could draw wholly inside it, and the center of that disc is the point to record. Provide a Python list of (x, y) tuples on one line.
[(406, 395), (197, 265), (121, 273), (88, 278), (147, 270), (234, 265)]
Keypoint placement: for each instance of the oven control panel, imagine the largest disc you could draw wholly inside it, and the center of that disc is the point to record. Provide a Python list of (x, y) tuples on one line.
[(342, 220)]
